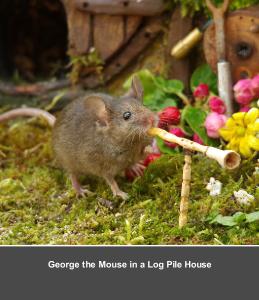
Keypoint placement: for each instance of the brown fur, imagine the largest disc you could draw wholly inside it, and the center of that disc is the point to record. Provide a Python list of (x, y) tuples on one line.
[(91, 136)]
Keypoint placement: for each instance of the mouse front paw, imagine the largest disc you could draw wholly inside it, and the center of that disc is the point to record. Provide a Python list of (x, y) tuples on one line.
[(121, 194)]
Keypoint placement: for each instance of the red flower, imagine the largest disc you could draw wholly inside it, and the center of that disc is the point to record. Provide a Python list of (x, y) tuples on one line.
[(217, 105), (169, 116), (150, 158), (255, 85), (201, 91), (197, 139), (178, 132), (244, 92), (244, 108)]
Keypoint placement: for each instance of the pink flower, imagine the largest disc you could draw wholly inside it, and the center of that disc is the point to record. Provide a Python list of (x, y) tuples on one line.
[(255, 86), (244, 108), (213, 123), (201, 91), (197, 139), (244, 92), (169, 116), (178, 132), (217, 105)]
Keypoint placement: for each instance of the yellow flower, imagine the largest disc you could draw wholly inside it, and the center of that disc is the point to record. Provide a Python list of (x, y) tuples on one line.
[(241, 131)]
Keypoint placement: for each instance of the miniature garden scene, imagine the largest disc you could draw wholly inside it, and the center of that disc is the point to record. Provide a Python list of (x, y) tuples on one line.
[(129, 122)]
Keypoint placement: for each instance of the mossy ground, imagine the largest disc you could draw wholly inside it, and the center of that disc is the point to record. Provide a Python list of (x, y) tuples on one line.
[(38, 205)]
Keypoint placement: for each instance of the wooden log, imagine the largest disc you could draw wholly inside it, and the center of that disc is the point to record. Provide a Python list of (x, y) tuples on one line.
[(32, 89), (242, 43), (178, 29), (122, 7), (138, 43), (117, 31), (132, 23), (108, 32), (42, 100), (79, 29)]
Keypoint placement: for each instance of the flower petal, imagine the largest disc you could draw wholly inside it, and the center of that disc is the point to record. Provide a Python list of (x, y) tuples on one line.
[(244, 148), (251, 116), (230, 123), (253, 142), (234, 144), (226, 134), (239, 118)]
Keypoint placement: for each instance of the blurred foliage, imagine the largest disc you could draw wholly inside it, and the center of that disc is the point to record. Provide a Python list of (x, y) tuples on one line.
[(189, 7), (158, 91), (91, 61), (204, 74)]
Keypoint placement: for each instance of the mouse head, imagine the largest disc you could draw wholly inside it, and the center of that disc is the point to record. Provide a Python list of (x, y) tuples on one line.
[(126, 116), (131, 115)]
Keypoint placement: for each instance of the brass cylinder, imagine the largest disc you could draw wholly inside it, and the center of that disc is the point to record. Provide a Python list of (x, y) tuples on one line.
[(184, 46)]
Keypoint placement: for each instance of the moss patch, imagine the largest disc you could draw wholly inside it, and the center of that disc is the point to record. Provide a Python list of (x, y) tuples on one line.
[(38, 205)]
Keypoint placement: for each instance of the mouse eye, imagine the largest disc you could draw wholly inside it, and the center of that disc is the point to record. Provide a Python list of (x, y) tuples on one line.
[(126, 115)]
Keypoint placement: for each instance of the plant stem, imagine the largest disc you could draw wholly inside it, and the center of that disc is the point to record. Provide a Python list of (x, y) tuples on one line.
[(184, 98)]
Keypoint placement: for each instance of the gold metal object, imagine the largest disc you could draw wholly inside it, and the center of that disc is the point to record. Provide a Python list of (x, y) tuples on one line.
[(184, 46)]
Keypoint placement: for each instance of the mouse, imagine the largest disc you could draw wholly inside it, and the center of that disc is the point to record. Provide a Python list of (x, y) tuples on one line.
[(99, 135)]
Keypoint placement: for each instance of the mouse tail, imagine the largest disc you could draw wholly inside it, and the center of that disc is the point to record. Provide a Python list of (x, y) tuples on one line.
[(28, 112)]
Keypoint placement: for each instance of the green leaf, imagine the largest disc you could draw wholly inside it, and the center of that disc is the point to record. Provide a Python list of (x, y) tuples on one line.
[(167, 102), (224, 220), (252, 217), (169, 86), (204, 74), (195, 118), (164, 149), (239, 217)]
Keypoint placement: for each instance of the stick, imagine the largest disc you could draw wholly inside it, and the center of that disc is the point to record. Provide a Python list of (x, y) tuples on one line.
[(226, 158), (36, 89), (186, 185)]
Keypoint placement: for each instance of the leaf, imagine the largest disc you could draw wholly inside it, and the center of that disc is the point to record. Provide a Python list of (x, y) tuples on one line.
[(195, 118), (204, 74), (252, 217), (169, 86), (166, 102), (158, 100), (224, 220), (154, 98), (239, 217), (164, 149)]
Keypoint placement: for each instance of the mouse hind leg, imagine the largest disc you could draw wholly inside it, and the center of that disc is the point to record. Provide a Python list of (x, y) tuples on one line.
[(115, 188), (78, 188)]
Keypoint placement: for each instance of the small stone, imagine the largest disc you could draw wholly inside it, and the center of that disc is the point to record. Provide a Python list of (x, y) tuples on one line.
[(214, 187)]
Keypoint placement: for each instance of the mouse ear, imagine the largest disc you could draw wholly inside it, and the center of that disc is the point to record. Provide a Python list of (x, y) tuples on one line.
[(96, 106), (136, 91)]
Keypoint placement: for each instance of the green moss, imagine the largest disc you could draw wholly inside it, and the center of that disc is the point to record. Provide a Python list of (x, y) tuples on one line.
[(38, 205)]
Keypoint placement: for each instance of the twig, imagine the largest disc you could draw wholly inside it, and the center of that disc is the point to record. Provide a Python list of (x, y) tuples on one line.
[(36, 89)]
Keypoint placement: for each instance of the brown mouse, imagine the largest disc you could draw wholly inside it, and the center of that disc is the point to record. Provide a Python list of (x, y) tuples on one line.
[(100, 135)]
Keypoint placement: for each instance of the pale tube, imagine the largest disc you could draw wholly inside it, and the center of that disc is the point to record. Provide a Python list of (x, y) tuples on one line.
[(226, 158)]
